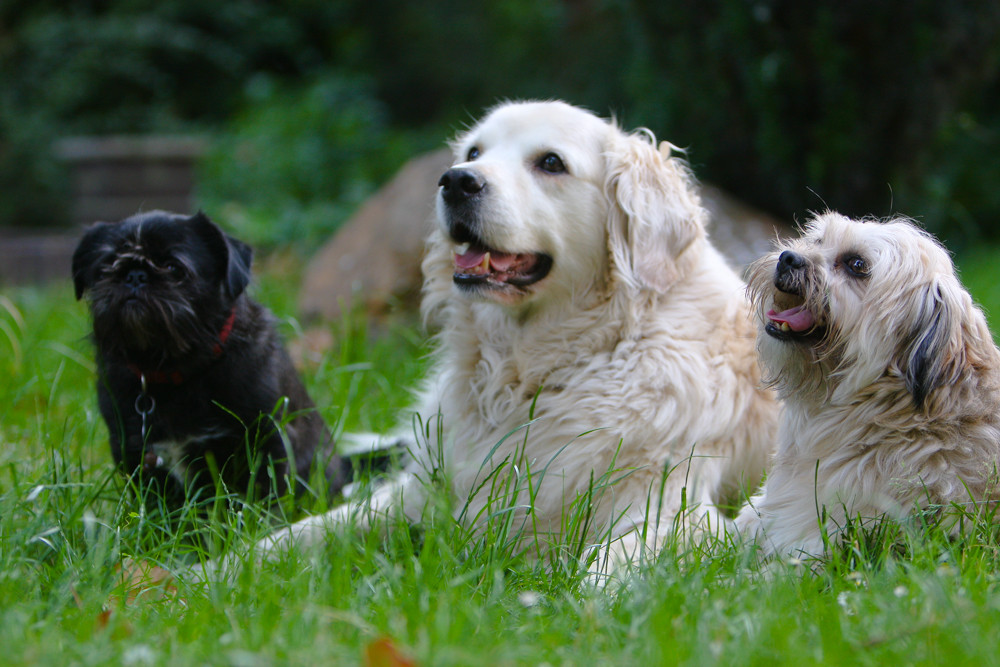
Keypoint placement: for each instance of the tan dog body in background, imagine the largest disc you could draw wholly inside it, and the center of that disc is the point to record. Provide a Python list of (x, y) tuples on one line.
[(890, 380), (576, 290)]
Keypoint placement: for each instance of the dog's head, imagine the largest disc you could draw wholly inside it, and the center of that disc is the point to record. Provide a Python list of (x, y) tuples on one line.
[(853, 303), (159, 285), (546, 200)]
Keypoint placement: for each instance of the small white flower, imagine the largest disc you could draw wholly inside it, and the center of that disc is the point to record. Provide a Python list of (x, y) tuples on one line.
[(529, 598), (141, 654)]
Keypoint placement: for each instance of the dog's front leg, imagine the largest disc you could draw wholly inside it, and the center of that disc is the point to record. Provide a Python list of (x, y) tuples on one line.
[(402, 495), (684, 514), (782, 518)]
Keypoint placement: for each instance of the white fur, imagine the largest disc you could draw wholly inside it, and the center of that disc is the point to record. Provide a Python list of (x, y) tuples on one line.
[(636, 350), (896, 408)]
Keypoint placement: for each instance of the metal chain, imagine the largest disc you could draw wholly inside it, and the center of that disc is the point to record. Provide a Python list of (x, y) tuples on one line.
[(144, 410)]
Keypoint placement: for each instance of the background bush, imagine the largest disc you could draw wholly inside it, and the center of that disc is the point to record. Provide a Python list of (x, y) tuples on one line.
[(866, 108), (293, 163)]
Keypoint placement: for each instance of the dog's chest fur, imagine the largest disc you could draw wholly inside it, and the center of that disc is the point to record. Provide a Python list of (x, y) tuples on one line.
[(175, 455), (597, 395)]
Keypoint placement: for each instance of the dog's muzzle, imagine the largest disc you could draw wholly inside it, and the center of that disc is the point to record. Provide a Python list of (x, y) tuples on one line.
[(459, 186), (798, 321), (788, 262), (477, 263), (788, 274), (136, 279), (461, 189)]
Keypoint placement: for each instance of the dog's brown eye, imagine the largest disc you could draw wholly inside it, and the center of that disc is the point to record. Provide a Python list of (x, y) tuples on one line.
[(472, 154), (856, 266), (551, 163)]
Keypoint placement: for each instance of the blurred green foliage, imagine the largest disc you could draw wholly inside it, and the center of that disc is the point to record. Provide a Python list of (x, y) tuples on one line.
[(868, 108), (293, 163)]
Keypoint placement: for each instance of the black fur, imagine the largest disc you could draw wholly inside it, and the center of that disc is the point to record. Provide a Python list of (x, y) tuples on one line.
[(163, 290), (933, 360)]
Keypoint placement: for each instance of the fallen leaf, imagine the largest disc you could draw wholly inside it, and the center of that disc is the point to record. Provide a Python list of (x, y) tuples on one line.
[(103, 618), (136, 579), (144, 578), (383, 653)]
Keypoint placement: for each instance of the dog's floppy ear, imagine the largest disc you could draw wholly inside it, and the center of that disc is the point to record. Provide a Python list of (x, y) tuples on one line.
[(88, 256), (936, 353), (655, 214), (235, 256), (238, 270)]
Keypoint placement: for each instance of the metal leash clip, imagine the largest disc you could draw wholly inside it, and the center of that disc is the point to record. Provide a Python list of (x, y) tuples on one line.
[(144, 410)]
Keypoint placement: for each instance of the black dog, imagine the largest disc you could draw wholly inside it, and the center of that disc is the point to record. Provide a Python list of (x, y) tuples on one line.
[(193, 381)]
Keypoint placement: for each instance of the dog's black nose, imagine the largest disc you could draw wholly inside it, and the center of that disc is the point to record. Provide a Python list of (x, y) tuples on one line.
[(136, 278), (458, 185), (789, 260)]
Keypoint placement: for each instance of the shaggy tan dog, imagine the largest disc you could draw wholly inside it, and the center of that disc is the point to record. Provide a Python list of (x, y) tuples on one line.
[(890, 381), (590, 334)]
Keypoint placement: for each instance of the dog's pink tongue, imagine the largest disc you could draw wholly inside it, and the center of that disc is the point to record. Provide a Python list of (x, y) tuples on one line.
[(470, 259), (499, 261), (502, 261), (798, 318)]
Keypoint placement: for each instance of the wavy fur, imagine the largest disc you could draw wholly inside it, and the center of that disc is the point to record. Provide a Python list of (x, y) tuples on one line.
[(635, 352), (895, 407)]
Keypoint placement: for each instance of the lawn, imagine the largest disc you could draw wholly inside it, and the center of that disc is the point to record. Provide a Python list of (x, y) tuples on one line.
[(438, 595)]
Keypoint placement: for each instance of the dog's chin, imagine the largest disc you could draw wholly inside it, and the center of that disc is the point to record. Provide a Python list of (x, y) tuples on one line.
[(505, 277), (142, 329), (811, 337)]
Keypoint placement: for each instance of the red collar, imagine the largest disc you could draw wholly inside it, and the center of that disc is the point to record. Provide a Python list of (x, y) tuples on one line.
[(175, 377), (227, 329)]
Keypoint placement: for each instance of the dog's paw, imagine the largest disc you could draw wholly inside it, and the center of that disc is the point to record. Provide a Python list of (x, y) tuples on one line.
[(748, 527), (368, 456), (369, 445)]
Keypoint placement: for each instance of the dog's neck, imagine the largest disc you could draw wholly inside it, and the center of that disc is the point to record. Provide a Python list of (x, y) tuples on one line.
[(175, 377)]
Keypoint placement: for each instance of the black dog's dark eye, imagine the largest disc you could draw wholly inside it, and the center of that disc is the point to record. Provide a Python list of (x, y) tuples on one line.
[(174, 269), (551, 163), (856, 266), (472, 154)]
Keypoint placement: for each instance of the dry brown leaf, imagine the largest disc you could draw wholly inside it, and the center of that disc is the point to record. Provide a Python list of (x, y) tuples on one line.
[(145, 579), (135, 579), (383, 653)]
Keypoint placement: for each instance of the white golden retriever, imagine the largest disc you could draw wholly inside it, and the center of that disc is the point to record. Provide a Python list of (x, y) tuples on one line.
[(590, 334), (890, 378)]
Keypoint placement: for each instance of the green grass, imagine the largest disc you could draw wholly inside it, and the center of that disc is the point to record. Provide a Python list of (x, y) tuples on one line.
[(443, 595)]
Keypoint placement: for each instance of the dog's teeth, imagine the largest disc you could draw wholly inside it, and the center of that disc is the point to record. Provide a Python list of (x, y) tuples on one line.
[(462, 248), (485, 265), (785, 327)]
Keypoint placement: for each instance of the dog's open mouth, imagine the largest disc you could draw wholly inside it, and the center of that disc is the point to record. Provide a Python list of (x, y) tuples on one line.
[(793, 323), (477, 264)]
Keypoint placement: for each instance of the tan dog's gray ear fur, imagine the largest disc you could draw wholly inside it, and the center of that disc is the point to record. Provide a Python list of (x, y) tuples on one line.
[(936, 354), (655, 213)]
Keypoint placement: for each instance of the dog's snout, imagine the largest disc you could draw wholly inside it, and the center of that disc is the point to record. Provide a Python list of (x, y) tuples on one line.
[(789, 260), (459, 185), (136, 279)]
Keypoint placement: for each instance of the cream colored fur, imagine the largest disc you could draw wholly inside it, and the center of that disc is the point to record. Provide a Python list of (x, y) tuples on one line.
[(895, 407), (636, 350)]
